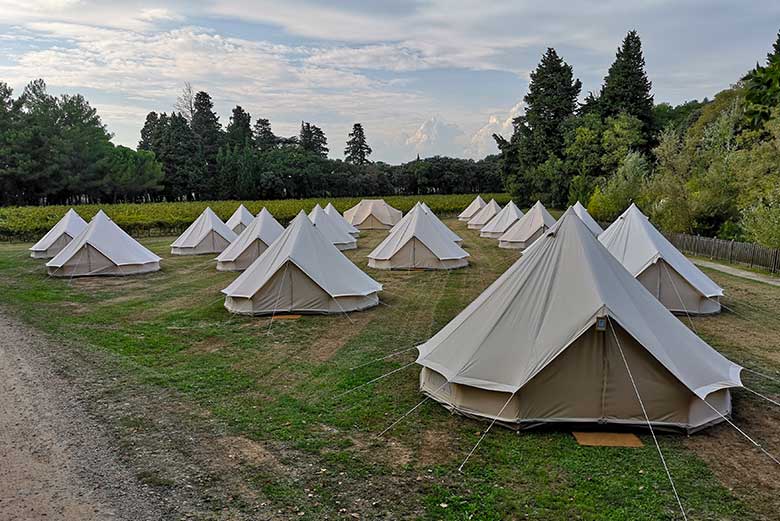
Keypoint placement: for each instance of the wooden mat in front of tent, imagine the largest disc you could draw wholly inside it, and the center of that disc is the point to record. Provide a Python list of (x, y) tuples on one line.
[(608, 439)]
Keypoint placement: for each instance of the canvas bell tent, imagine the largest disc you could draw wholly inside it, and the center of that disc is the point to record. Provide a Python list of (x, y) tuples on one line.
[(59, 236), (240, 219), (102, 248), (328, 226), (301, 272), (527, 229), (482, 217), (499, 224), (659, 266), (208, 234), (417, 242), (331, 210), (471, 210), (443, 228), (589, 221), (253, 241), (372, 214), (546, 343)]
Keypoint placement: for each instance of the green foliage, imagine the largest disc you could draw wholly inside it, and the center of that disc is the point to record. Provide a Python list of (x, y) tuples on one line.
[(761, 221), (357, 150), (622, 134), (622, 189), (679, 117), (30, 222), (312, 139), (239, 129), (627, 90)]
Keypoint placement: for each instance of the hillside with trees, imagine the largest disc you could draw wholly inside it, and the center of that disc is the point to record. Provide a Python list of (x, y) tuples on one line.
[(709, 167)]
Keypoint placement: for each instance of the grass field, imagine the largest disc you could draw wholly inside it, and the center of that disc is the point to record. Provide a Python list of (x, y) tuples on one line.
[(272, 385)]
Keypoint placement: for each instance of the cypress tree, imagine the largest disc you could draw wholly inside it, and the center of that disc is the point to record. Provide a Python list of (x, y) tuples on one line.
[(148, 131), (774, 54), (357, 150), (263, 135), (208, 135), (626, 86), (239, 129)]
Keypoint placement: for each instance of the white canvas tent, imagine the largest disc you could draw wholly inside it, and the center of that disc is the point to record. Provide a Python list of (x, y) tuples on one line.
[(207, 234), (331, 210), (328, 226), (102, 248), (372, 214), (443, 228), (301, 272), (499, 224), (253, 241), (417, 242), (482, 217), (589, 221), (659, 266), (240, 219), (58, 236), (527, 229), (545, 343), (471, 210)]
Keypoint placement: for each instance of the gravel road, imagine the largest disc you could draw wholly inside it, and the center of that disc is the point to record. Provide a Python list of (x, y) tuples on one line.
[(56, 462)]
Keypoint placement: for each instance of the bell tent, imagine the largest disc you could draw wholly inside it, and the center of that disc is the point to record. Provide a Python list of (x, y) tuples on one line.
[(482, 217), (208, 234), (527, 229), (372, 214), (499, 224), (253, 241), (589, 221), (417, 242), (328, 226), (59, 236), (553, 339), (443, 228), (301, 272), (471, 210), (659, 266), (331, 210), (102, 248), (240, 219)]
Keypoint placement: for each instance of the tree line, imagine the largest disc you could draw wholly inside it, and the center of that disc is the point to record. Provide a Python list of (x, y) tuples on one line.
[(710, 167)]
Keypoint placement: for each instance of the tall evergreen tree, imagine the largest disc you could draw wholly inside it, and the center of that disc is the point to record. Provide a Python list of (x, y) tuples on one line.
[(148, 131), (263, 135), (208, 135), (177, 149), (357, 150), (774, 54), (626, 86), (239, 129), (312, 139)]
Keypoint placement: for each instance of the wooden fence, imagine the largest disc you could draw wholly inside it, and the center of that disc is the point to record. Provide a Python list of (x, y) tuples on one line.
[(735, 252)]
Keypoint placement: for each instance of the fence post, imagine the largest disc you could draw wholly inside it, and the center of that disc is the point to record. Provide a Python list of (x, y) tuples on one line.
[(774, 261), (752, 254), (731, 252)]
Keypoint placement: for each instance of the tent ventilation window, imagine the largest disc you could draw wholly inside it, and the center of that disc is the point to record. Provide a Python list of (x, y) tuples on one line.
[(601, 323)]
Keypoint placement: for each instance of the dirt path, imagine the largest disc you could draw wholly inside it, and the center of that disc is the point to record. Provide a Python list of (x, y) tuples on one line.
[(55, 461), (745, 274)]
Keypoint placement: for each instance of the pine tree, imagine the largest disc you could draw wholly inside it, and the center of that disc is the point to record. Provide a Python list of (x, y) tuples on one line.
[(626, 86), (148, 131), (208, 135), (239, 129), (312, 139), (774, 54), (357, 150), (263, 135)]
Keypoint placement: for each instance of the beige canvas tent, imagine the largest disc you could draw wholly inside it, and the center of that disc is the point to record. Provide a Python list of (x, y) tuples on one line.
[(482, 217), (328, 226), (208, 234), (253, 241), (102, 248), (545, 343), (58, 236), (443, 228), (417, 242), (527, 229), (659, 266), (240, 219), (331, 210), (372, 214), (589, 221), (499, 224), (301, 272), (471, 210)]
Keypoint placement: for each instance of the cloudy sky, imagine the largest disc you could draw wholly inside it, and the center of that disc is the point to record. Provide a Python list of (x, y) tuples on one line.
[(423, 76)]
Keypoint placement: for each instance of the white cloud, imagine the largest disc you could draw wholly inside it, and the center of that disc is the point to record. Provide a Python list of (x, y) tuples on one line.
[(436, 137), (482, 142)]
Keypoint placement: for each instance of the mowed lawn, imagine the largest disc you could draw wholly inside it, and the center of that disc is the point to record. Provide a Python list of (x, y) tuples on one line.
[(278, 384)]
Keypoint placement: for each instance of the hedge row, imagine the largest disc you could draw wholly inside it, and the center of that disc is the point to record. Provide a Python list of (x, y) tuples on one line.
[(27, 223)]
